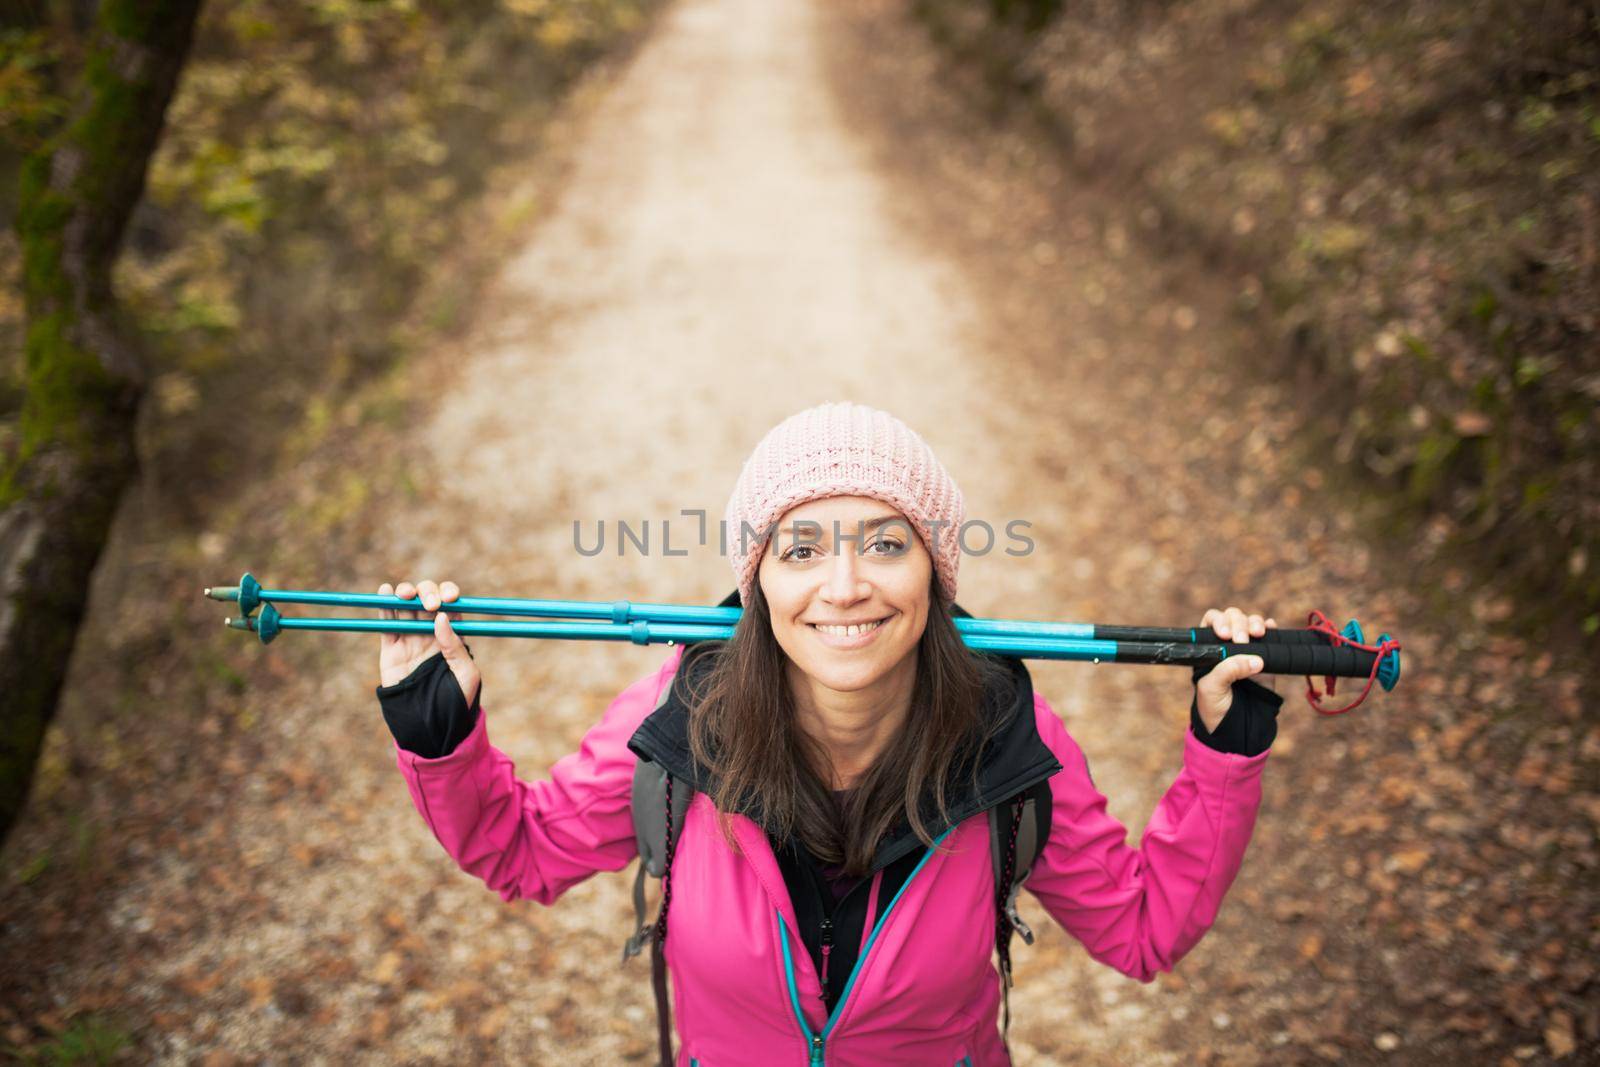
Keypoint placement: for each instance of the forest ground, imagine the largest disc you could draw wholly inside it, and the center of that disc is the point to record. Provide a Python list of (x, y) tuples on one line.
[(772, 205)]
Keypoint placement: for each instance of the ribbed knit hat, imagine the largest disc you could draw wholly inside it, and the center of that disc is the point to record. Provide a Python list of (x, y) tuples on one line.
[(844, 449)]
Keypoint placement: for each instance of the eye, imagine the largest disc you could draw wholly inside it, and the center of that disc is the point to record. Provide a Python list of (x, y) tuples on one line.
[(893, 546), (789, 554)]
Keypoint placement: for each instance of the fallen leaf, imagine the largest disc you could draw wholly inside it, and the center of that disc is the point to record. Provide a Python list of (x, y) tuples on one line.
[(492, 1022), (1409, 861), (1558, 1035)]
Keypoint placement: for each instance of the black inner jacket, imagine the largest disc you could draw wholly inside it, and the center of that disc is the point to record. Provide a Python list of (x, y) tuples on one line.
[(427, 714)]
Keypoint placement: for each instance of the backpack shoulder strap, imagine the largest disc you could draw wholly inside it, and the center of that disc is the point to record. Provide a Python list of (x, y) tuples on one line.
[(649, 809), (1018, 829), (659, 804), (1032, 830)]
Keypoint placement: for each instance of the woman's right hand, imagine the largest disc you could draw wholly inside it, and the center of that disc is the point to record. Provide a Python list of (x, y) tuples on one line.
[(400, 654)]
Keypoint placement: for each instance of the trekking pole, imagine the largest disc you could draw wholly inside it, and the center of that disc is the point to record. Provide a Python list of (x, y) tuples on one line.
[(1316, 650), (250, 594)]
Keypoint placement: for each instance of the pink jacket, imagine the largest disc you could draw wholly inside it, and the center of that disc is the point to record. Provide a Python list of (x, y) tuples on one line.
[(926, 989)]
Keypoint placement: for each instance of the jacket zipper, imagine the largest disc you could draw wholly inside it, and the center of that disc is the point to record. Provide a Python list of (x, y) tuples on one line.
[(827, 949), (824, 895), (818, 1042)]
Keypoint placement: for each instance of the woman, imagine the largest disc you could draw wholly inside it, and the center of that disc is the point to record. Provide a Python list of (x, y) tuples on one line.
[(831, 894)]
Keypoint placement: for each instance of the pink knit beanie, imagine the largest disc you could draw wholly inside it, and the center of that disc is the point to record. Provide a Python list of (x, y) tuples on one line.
[(844, 449)]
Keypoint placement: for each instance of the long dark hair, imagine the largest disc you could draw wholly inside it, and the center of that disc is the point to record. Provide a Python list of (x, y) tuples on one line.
[(743, 728)]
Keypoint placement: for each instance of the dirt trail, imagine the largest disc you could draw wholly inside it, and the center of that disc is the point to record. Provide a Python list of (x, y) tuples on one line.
[(774, 205)]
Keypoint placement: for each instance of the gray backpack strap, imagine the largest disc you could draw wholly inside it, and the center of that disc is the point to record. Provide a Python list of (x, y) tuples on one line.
[(654, 791), (649, 805), (1018, 828), (1032, 830), (650, 831)]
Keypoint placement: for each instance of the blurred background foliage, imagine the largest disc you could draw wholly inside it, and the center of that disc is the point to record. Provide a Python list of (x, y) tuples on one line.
[(303, 214), (1407, 196)]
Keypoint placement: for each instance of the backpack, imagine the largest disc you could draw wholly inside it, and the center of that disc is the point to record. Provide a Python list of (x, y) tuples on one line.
[(1018, 828)]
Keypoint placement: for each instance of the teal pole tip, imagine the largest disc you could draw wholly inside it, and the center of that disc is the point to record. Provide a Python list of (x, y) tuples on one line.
[(247, 593), (1388, 664), (267, 624), (1388, 667)]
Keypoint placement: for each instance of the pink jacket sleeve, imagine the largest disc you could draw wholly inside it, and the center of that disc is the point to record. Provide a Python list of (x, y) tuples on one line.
[(535, 840), (1141, 910)]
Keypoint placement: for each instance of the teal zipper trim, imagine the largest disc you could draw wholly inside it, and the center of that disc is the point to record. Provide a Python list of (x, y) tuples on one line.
[(818, 1042), (794, 996)]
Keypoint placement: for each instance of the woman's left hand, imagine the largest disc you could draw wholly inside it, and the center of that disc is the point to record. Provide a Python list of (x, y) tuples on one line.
[(1214, 689)]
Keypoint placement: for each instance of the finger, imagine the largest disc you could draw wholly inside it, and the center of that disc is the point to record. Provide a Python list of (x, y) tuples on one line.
[(1272, 622), (1258, 625), (1239, 624), (1219, 680), (428, 592), (449, 640), (1243, 666), (1217, 620), (449, 591), (1223, 624), (457, 655), (405, 591)]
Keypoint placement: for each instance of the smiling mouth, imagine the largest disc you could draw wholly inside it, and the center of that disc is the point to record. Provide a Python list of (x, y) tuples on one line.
[(849, 631)]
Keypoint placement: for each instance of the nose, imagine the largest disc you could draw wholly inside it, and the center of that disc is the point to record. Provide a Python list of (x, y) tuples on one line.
[(844, 584)]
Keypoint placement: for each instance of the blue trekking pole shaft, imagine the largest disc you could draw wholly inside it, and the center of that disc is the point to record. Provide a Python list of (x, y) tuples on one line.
[(249, 593), (269, 623), (622, 611)]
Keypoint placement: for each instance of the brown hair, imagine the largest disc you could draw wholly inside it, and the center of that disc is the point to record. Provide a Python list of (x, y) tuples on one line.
[(743, 728)]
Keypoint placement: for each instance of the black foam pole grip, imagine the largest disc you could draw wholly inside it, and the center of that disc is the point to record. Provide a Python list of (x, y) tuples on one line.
[(1341, 661)]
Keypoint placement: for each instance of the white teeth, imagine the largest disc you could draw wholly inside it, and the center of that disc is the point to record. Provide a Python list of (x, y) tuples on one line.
[(849, 631)]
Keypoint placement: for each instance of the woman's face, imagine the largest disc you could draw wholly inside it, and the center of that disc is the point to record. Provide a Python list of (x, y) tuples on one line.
[(859, 562)]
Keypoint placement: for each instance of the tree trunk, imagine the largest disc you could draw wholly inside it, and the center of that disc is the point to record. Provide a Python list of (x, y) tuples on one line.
[(84, 374)]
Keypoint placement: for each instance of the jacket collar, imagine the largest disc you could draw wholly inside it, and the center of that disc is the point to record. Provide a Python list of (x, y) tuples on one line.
[(1014, 759)]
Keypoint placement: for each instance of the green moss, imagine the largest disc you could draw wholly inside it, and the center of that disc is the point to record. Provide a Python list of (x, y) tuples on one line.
[(1493, 463), (222, 672), (34, 867), (1529, 370), (87, 1040), (1433, 456), (64, 383), (1536, 491), (1535, 116), (1484, 305), (1486, 391)]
